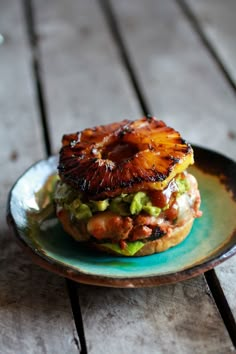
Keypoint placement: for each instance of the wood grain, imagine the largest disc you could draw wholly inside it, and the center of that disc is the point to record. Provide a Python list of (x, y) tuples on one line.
[(169, 319), (183, 83), (35, 315), (218, 23), (86, 85), (217, 19)]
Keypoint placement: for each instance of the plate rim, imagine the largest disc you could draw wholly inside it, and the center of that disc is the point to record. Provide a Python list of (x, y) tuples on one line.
[(77, 275)]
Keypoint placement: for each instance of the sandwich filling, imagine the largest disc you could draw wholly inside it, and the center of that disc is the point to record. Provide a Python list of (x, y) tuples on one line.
[(124, 223)]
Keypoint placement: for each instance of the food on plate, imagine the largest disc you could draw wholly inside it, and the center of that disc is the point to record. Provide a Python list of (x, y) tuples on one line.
[(123, 187)]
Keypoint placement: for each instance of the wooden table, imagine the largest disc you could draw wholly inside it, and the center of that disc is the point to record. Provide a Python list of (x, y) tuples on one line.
[(67, 65)]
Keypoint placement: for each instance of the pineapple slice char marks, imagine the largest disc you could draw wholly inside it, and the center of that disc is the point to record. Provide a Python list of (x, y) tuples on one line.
[(123, 157)]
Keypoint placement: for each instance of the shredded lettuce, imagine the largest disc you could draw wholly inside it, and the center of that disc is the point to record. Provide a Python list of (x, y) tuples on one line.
[(130, 249)]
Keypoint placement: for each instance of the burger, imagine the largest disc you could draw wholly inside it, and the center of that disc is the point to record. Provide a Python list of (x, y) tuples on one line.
[(123, 187)]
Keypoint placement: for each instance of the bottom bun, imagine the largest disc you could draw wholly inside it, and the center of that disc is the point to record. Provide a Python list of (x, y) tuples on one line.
[(171, 239)]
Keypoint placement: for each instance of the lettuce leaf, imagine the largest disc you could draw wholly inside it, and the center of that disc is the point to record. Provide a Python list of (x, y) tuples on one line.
[(129, 250)]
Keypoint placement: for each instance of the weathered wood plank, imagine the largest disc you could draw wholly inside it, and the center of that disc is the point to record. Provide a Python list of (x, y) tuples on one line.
[(168, 319), (217, 19), (183, 84), (218, 22), (35, 315), (86, 85), (178, 76)]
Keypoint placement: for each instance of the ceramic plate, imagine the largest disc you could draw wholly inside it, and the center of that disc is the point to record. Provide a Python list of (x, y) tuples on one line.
[(211, 241)]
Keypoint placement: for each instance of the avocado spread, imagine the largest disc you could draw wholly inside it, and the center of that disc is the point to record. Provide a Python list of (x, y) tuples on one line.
[(124, 204)]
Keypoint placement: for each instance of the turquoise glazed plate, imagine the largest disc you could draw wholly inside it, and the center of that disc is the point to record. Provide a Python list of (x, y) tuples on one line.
[(211, 241)]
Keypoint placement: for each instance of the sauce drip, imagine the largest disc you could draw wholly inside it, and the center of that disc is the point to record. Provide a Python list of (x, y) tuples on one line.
[(162, 198)]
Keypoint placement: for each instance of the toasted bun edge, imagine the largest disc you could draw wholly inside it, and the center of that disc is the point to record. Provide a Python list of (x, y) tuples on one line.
[(178, 234)]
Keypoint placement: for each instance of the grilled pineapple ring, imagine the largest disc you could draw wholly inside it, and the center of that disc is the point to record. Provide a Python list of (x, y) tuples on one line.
[(123, 157)]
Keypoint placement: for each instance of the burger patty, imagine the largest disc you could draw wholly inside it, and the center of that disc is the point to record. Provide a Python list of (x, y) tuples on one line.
[(109, 226)]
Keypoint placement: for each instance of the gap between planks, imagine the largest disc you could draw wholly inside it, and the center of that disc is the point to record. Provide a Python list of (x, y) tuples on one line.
[(112, 21), (193, 20), (32, 37), (40, 98), (221, 303), (113, 26), (75, 305)]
